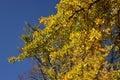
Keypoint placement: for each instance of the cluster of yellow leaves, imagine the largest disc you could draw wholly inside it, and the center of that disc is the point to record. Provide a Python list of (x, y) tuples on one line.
[(69, 48), (12, 59), (99, 21), (95, 34)]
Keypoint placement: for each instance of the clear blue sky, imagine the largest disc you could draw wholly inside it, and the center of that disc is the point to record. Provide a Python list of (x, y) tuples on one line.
[(13, 14)]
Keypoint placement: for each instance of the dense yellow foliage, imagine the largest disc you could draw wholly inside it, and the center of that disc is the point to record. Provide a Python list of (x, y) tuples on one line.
[(70, 47)]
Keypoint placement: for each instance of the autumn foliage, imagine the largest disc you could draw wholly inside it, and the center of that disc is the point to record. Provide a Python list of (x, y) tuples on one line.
[(80, 42)]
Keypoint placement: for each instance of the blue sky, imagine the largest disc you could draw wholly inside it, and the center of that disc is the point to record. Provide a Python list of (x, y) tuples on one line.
[(13, 14)]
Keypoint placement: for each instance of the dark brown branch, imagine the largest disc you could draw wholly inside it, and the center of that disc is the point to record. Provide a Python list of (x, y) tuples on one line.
[(118, 18), (91, 4), (75, 13), (40, 64), (82, 9), (33, 78)]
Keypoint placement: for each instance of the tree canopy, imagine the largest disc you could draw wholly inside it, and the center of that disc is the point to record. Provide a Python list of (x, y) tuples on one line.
[(80, 42)]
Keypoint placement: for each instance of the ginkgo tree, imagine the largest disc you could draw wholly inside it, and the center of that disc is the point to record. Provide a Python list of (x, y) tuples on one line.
[(80, 42)]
